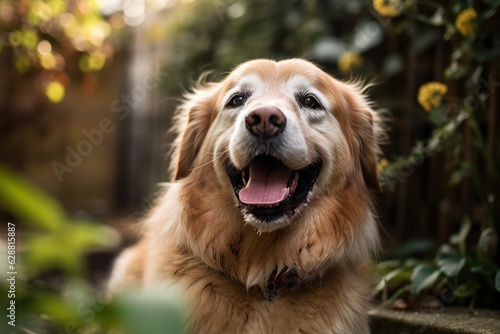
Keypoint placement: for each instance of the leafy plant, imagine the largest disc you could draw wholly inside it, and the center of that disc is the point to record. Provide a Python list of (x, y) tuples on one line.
[(457, 273), (467, 269), (51, 292)]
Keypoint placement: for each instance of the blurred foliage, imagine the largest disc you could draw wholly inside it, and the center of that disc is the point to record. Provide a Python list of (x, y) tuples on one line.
[(218, 35), (380, 40), (51, 45), (52, 294), (50, 40)]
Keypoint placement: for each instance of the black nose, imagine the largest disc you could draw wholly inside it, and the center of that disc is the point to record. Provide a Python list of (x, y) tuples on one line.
[(265, 122)]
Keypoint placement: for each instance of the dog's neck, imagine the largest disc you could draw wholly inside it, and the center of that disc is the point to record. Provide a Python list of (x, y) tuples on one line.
[(288, 278)]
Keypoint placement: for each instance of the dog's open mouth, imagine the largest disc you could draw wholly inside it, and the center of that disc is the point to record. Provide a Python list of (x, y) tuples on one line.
[(269, 190)]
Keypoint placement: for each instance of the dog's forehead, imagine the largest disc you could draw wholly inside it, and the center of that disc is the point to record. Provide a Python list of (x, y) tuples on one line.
[(253, 82), (294, 74)]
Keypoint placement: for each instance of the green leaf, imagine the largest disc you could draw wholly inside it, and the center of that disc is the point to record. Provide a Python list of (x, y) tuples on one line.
[(388, 265), (53, 306), (66, 247), (27, 202), (487, 244), (455, 71), (460, 237), (450, 262), (395, 276), (483, 268), (476, 75), (497, 281), (412, 263), (398, 294), (424, 276), (467, 289), (437, 115), (399, 275)]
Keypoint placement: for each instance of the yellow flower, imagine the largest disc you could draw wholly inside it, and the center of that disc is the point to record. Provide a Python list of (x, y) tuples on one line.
[(390, 8), (349, 61), (465, 22), (430, 94)]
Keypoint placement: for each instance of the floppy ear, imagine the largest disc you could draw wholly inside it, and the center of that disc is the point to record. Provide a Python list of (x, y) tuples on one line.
[(370, 149), (367, 130), (191, 123)]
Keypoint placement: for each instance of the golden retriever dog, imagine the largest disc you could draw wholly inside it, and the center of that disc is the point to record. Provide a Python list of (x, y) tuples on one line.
[(268, 225)]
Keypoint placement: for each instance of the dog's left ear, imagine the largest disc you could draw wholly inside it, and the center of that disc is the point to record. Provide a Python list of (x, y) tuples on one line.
[(369, 150), (191, 123), (367, 131)]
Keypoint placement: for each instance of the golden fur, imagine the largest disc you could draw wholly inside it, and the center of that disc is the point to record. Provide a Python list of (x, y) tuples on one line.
[(198, 237)]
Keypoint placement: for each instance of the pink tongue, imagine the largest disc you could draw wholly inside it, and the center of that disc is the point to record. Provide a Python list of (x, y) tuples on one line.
[(267, 184)]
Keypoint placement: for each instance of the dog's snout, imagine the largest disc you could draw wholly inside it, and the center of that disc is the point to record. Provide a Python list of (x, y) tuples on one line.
[(265, 122)]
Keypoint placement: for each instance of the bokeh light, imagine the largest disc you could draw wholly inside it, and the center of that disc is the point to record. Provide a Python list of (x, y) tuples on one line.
[(55, 91)]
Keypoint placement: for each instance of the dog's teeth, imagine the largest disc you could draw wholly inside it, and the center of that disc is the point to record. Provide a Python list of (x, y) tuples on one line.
[(293, 185), (244, 178)]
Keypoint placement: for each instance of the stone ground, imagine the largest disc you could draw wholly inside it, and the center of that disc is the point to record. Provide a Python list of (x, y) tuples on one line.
[(450, 320)]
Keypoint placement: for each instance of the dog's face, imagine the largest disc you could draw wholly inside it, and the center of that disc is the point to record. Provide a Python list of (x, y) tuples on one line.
[(278, 135)]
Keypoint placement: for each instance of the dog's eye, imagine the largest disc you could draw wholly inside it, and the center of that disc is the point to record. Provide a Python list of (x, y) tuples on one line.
[(309, 101), (236, 100)]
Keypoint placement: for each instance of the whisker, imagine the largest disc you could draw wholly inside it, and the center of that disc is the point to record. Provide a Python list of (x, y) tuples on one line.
[(216, 159), (201, 166)]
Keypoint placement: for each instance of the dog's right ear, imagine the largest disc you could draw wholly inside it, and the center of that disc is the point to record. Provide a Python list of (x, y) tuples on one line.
[(191, 123)]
